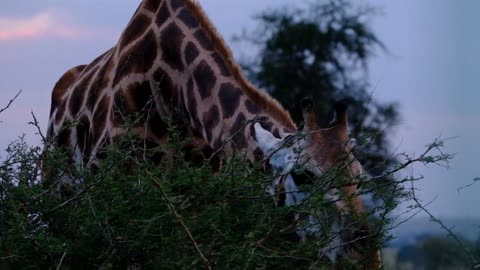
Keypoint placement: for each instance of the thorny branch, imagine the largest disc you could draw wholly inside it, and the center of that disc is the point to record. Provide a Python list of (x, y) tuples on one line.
[(10, 102), (423, 158), (180, 219), (36, 124), (475, 180), (418, 204)]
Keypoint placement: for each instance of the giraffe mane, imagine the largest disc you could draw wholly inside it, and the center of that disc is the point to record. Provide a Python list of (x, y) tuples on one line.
[(260, 98)]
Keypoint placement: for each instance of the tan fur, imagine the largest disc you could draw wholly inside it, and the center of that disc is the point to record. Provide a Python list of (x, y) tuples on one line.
[(260, 98)]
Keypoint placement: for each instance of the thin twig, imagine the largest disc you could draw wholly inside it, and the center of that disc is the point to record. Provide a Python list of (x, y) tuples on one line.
[(180, 219), (7, 257), (410, 217), (444, 227), (475, 180), (36, 124), (61, 261), (11, 101)]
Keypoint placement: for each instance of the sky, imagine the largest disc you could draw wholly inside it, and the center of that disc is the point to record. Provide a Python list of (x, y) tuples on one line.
[(430, 69)]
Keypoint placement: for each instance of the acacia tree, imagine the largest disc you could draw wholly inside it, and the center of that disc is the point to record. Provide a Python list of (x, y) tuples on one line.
[(321, 50)]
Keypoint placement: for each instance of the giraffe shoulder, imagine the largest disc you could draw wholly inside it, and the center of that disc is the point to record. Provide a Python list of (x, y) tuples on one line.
[(62, 85)]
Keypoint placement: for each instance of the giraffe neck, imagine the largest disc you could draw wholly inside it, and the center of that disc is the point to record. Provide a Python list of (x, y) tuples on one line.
[(171, 47)]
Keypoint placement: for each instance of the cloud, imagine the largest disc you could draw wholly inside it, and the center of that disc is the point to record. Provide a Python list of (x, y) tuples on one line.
[(43, 24)]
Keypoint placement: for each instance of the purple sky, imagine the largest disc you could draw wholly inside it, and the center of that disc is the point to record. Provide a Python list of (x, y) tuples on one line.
[(431, 71)]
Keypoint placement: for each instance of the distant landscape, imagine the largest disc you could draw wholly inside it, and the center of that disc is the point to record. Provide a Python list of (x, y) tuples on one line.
[(422, 244), (409, 232)]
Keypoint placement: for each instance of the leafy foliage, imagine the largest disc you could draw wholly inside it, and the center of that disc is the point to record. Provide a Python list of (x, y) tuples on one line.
[(131, 212)]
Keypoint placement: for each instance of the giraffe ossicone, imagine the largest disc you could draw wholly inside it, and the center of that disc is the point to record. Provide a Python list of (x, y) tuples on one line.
[(170, 63)]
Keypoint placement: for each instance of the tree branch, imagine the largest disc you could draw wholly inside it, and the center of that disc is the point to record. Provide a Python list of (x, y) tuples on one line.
[(10, 102), (444, 227), (180, 219)]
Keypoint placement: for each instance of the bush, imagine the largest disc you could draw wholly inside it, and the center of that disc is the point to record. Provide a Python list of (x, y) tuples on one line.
[(131, 212), (127, 211)]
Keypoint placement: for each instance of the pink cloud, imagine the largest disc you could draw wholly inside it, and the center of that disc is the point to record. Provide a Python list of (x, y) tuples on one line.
[(43, 24)]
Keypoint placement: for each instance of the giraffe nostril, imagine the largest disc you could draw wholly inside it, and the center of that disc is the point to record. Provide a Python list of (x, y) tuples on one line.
[(303, 178)]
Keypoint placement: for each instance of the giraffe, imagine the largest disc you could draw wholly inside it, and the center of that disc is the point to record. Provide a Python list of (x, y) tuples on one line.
[(170, 62)]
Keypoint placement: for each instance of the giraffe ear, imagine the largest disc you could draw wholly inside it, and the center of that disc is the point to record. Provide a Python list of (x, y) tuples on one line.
[(340, 123), (265, 139)]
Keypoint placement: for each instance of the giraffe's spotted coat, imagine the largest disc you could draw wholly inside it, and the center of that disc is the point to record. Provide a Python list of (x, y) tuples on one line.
[(205, 79), (170, 38), (191, 53), (135, 29), (204, 40), (229, 97), (170, 63), (187, 18)]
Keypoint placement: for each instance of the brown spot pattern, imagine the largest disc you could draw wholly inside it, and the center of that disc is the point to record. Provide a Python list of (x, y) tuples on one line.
[(157, 126), (76, 99), (135, 28), (205, 79), (60, 112), (170, 41), (191, 104), (222, 66), (229, 97), (83, 131), (63, 138), (140, 96), (163, 15), (79, 93), (99, 84), (120, 109), (137, 59), (100, 118), (151, 5), (237, 131), (187, 18), (252, 131), (176, 4), (211, 119), (63, 84), (191, 53), (276, 133), (251, 108), (204, 40), (135, 101), (164, 85), (94, 63), (267, 125)]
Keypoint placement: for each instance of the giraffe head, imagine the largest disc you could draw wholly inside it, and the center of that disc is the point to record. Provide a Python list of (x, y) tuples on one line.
[(315, 150), (304, 158)]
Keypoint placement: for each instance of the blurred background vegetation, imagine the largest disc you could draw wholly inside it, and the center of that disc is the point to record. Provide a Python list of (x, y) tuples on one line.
[(321, 50)]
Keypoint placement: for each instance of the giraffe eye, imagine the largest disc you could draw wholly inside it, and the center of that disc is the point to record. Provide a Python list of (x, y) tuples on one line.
[(303, 177)]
